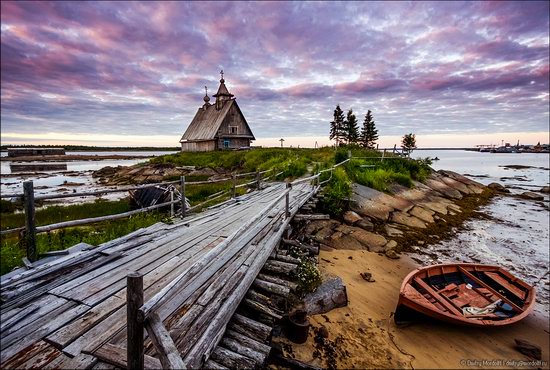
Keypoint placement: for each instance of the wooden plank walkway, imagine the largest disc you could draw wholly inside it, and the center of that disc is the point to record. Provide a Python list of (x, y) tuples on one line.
[(70, 311)]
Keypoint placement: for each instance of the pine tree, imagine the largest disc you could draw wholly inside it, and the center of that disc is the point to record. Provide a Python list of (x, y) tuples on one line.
[(369, 133), (408, 143), (351, 130), (337, 126)]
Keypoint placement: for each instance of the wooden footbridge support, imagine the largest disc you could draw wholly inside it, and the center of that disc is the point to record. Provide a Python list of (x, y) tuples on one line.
[(71, 311)]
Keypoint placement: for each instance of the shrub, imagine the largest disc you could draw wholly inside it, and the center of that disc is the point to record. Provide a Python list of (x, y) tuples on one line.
[(337, 192)]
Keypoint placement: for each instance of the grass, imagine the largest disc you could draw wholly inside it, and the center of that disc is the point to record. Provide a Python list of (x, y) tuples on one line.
[(12, 249)]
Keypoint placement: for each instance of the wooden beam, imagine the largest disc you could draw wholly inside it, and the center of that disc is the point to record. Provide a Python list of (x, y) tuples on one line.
[(484, 285), (166, 349), (116, 355), (437, 297)]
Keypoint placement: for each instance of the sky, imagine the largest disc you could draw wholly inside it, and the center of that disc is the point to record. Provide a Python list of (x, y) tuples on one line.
[(133, 73)]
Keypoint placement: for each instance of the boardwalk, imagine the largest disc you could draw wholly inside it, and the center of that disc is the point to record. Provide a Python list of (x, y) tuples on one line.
[(70, 312)]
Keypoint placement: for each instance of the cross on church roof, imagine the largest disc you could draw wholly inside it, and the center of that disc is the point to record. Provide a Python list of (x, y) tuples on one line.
[(221, 73)]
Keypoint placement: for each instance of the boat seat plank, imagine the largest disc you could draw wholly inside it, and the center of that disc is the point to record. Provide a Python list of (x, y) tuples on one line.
[(505, 284), (497, 294), (448, 306)]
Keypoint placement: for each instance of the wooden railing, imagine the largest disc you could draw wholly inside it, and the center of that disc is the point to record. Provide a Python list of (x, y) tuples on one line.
[(30, 229)]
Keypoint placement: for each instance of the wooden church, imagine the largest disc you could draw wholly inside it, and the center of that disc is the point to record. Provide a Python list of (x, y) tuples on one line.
[(217, 126)]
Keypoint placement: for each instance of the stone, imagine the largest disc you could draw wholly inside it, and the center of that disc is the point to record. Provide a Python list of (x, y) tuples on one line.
[(374, 242), (531, 196), (545, 189), (407, 220), (443, 188), (463, 188), (423, 214), (529, 349), (351, 217), (369, 208), (392, 244), (322, 331), (392, 231), (498, 187), (392, 254), (329, 295), (367, 276), (393, 202), (365, 225)]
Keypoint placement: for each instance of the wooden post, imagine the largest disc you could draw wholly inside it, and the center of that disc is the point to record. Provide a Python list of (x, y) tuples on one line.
[(258, 184), (234, 190), (183, 205), (349, 153), (171, 202), (134, 300), (30, 227), (287, 200), (383, 155)]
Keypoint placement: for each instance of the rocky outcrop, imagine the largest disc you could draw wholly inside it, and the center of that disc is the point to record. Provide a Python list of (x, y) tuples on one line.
[(376, 217)]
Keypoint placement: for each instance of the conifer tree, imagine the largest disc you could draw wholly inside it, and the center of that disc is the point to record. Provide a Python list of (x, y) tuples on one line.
[(351, 130), (369, 133), (337, 126)]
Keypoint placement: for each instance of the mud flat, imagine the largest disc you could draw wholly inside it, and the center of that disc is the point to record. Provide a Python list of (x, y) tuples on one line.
[(379, 237)]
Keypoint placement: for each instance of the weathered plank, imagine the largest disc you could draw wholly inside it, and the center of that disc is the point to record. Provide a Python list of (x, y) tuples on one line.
[(166, 349), (250, 328), (116, 355)]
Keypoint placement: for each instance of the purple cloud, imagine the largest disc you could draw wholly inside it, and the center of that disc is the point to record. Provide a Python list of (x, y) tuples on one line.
[(140, 68)]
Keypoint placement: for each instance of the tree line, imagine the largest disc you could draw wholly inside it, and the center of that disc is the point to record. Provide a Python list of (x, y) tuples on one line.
[(345, 129)]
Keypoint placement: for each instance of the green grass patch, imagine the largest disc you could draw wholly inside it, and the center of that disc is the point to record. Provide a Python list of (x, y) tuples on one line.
[(60, 213), (12, 249), (336, 193)]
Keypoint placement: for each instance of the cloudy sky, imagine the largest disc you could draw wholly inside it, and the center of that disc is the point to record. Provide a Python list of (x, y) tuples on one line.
[(123, 73)]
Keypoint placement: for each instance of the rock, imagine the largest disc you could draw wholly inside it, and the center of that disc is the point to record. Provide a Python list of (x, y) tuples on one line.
[(498, 187), (322, 332), (422, 213), (365, 225), (463, 188), (367, 276), (433, 183), (391, 253), (374, 242), (407, 220), (531, 196), (392, 231), (463, 179), (351, 217), (329, 295), (325, 247), (390, 245), (545, 189), (529, 349)]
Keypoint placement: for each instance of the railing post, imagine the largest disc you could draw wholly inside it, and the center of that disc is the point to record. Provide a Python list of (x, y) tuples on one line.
[(287, 200), (234, 189), (258, 180), (171, 201), (183, 205), (383, 155), (349, 153), (134, 300), (30, 226)]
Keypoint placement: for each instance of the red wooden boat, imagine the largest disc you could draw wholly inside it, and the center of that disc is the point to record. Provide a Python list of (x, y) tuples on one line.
[(465, 294)]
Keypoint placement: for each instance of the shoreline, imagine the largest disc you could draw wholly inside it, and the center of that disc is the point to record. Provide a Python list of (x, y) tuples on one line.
[(363, 334)]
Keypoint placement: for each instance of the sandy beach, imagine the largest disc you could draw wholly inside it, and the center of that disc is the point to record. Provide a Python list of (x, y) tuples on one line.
[(363, 334)]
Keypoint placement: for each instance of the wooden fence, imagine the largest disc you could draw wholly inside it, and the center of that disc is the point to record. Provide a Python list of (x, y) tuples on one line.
[(30, 229)]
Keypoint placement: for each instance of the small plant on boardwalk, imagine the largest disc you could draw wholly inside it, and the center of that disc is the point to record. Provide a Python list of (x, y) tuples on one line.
[(308, 276)]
